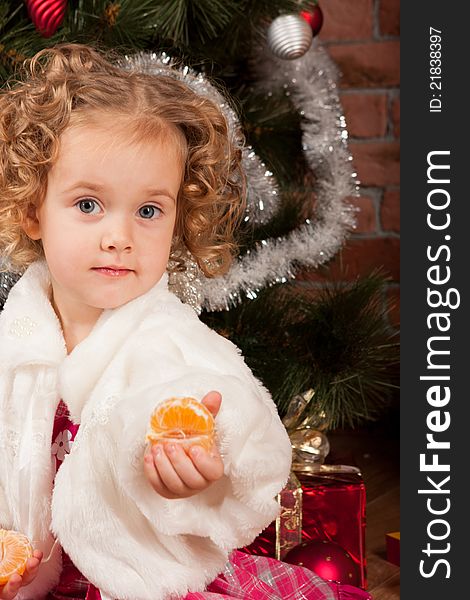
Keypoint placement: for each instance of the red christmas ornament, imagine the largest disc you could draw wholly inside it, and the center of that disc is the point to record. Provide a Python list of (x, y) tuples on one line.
[(314, 18), (47, 15), (327, 559)]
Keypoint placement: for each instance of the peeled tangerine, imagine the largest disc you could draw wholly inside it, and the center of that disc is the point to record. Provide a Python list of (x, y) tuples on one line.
[(15, 549), (182, 421)]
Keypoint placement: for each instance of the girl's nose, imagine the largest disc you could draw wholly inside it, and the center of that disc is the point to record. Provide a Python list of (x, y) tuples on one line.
[(118, 239)]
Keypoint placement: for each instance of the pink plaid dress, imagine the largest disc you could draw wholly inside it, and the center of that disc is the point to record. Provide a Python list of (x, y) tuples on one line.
[(245, 576)]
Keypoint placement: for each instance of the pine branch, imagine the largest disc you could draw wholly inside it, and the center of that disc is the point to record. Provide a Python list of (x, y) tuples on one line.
[(336, 343), (183, 21), (124, 25), (16, 33)]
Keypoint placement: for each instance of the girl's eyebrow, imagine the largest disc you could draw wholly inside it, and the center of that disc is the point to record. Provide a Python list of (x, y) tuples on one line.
[(97, 187), (160, 192)]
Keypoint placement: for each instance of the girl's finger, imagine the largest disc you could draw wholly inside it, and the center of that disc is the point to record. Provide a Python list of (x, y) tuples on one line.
[(212, 401), (184, 467), (38, 554), (152, 474), (12, 587), (209, 465), (167, 473), (32, 567)]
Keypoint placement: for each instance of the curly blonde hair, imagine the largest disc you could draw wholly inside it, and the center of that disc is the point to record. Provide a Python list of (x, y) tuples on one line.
[(72, 84)]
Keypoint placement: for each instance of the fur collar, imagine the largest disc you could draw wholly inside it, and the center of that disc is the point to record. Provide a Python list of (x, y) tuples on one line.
[(28, 319), (33, 333)]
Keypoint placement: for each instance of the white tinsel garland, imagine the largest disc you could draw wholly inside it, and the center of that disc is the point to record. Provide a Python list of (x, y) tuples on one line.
[(311, 81)]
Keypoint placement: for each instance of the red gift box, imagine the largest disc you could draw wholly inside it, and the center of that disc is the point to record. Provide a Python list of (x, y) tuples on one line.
[(393, 547), (334, 509)]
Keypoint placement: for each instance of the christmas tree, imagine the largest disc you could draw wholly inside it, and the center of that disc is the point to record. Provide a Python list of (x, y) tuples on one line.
[(333, 348)]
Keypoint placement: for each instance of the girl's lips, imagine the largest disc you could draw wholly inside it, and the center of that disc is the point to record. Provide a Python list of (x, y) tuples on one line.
[(112, 271)]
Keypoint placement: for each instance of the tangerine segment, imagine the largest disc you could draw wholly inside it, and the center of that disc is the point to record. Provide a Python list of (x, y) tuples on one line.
[(15, 549), (183, 421)]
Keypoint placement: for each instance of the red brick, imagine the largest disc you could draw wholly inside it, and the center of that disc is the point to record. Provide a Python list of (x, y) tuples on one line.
[(396, 117), (359, 258), (377, 163), (366, 221), (375, 64), (366, 114), (390, 211), (389, 17), (346, 20), (393, 305)]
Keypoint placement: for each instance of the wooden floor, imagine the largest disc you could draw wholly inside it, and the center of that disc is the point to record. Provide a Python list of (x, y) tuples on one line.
[(375, 450)]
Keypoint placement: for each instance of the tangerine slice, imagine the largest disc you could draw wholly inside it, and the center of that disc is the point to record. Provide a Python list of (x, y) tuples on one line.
[(15, 549), (182, 421)]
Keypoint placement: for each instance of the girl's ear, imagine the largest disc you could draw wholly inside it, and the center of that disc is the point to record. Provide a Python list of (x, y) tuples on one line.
[(31, 225)]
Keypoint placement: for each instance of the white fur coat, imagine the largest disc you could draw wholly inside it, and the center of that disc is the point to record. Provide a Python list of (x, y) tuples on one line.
[(125, 538)]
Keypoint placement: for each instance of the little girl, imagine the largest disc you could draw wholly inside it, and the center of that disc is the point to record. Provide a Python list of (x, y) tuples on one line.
[(107, 178)]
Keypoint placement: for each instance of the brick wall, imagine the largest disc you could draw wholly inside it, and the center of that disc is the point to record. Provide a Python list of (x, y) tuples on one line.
[(362, 38)]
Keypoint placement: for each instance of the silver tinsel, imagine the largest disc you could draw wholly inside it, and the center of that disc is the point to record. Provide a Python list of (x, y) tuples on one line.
[(7, 281), (188, 284), (289, 36), (311, 82)]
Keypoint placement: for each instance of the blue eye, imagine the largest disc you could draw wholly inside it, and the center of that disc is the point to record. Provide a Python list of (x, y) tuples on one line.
[(149, 211), (88, 206)]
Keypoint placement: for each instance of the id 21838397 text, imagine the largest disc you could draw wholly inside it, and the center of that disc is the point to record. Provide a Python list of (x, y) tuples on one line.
[(435, 70)]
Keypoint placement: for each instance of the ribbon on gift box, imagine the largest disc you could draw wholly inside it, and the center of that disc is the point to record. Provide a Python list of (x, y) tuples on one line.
[(310, 446), (289, 521)]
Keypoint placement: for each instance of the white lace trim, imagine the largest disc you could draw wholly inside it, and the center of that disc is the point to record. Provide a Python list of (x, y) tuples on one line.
[(9, 439)]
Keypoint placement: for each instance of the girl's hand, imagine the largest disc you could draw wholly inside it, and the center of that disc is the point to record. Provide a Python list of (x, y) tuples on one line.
[(174, 474), (12, 586)]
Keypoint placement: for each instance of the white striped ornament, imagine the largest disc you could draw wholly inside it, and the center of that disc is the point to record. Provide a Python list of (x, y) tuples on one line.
[(289, 37)]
